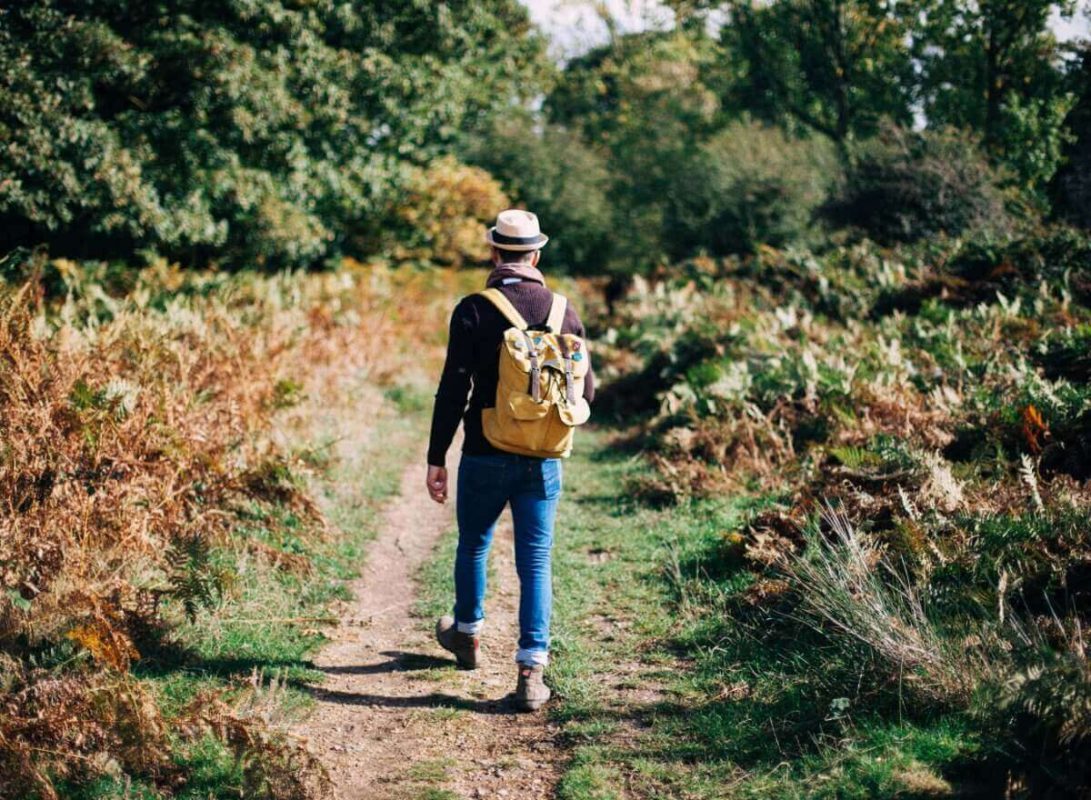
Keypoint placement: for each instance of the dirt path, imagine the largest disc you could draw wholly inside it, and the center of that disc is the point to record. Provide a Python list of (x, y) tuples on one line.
[(394, 718)]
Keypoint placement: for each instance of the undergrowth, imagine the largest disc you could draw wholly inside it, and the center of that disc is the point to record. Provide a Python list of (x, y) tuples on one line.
[(167, 547), (915, 580)]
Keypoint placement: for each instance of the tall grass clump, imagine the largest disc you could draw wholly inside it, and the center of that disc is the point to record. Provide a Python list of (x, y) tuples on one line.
[(848, 588)]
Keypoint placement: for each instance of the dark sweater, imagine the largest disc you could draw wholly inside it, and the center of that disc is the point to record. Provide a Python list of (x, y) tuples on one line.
[(473, 353)]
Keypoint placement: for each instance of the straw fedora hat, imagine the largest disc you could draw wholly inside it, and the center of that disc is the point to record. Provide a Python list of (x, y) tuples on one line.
[(517, 230)]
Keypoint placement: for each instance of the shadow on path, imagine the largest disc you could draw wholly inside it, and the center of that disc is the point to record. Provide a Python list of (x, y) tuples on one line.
[(503, 706), (399, 661)]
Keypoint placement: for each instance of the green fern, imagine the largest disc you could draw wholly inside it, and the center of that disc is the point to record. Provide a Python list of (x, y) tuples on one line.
[(1049, 713), (883, 455), (195, 580), (856, 457)]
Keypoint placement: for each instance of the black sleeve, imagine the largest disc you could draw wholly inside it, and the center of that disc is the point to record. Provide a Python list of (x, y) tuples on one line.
[(454, 386), (573, 324)]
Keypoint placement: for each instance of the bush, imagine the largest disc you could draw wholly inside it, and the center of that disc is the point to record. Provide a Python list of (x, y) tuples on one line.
[(445, 213), (749, 185), (565, 182), (905, 186)]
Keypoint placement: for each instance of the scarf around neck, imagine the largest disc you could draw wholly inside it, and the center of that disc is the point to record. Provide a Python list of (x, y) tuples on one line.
[(524, 272)]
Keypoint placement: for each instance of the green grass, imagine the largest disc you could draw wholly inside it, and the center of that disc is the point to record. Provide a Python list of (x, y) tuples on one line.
[(435, 580), (737, 711), (430, 771), (650, 599)]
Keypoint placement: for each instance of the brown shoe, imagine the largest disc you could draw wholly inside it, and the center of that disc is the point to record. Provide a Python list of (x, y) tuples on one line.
[(463, 645), (531, 693)]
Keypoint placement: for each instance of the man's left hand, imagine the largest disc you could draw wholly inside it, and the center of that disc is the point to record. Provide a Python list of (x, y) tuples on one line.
[(437, 483)]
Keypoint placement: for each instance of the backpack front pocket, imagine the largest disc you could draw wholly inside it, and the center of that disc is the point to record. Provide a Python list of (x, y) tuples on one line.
[(523, 407), (575, 414)]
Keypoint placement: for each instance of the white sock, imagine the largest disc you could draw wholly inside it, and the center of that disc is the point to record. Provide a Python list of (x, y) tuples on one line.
[(532, 658)]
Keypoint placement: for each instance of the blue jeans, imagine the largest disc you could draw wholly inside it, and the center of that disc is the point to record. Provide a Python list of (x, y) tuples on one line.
[(532, 486)]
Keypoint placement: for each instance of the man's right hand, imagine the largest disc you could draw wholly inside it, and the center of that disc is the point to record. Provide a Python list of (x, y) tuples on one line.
[(437, 483)]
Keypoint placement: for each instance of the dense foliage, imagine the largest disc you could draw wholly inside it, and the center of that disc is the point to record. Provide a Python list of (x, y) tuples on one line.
[(154, 526), (666, 112), (564, 180), (837, 68), (275, 133), (913, 428), (1072, 184), (904, 186), (747, 186)]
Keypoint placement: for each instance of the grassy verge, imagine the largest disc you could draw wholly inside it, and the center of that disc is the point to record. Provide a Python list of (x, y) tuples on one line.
[(665, 692), (906, 617)]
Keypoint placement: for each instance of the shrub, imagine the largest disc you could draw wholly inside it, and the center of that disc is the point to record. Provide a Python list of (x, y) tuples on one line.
[(137, 452), (1060, 255), (749, 185), (445, 212), (904, 186)]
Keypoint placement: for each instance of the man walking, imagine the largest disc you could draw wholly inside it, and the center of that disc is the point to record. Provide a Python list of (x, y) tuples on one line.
[(489, 478)]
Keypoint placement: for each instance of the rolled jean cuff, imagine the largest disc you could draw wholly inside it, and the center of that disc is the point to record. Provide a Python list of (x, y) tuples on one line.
[(533, 658), (472, 628)]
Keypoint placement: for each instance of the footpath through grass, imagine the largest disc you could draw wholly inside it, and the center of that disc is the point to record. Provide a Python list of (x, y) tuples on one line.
[(255, 649)]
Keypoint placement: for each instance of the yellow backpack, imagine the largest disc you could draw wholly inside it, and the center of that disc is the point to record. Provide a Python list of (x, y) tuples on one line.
[(539, 397)]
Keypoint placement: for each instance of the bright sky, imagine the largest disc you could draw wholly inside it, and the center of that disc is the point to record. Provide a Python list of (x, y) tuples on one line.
[(1079, 27), (575, 27)]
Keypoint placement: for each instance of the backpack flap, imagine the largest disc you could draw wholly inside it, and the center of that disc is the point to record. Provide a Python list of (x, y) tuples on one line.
[(577, 351)]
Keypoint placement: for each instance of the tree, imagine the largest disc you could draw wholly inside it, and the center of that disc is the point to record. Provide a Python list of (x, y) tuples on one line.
[(836, 67), (644, 102), (1072, 186), (566, 182), (276, 133), (991, 66)]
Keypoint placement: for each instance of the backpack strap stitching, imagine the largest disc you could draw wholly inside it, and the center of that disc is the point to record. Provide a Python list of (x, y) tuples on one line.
[(556, 313), (535, 369), (504, 306)]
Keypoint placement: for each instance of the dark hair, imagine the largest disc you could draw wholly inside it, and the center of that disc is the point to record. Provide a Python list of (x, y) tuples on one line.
[(514, 256)]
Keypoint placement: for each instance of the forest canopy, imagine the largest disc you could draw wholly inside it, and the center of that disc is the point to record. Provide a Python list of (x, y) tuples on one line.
[(287, 134), (252, 133)]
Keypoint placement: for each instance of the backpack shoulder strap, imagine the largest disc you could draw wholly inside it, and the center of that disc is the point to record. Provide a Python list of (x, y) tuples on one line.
[(556, 312), (504, 306)]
